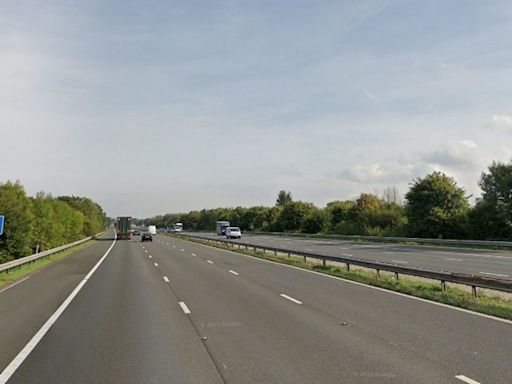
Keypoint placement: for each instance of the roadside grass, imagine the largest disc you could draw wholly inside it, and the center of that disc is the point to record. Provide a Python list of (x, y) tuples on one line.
[(17, 273), (493, 305)]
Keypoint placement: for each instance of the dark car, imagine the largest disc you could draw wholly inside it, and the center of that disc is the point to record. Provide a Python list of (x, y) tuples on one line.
[(146, 236)]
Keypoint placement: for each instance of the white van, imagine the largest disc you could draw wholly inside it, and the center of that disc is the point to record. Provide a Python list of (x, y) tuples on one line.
[(233, 233), (152, 229)]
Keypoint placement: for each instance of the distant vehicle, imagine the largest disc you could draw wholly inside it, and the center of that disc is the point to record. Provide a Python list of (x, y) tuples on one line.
[(123, 227), (152, 229), (233, 233), (178, 227), (146, 236), (221, 227), (136, 232)]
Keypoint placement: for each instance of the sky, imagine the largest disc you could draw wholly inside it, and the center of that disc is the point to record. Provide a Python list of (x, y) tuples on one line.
[(152, 107)]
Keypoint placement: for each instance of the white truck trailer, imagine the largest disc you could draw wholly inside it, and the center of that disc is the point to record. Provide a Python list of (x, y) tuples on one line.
[(221, 227)]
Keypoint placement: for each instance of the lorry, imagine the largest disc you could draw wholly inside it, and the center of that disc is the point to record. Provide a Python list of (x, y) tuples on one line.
[(124, 227), (152, 230), (221, 227)]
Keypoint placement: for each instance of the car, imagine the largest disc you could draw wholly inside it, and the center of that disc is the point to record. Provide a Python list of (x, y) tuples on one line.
[(146, 236), (136, 232), (233, 233)]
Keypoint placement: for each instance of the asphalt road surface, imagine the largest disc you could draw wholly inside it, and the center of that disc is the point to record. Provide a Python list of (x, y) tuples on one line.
[(172, 311), (493, 264)]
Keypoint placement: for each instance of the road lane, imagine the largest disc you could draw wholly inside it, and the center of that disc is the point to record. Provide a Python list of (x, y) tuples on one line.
[(190, 321), (26, 306), (125, 326), (423, 336), (460, 260)]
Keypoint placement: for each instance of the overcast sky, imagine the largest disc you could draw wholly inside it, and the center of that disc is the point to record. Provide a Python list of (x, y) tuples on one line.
[(170, 106)]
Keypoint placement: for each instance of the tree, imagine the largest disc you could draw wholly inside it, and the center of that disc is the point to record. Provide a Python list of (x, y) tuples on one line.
[(314, 221), (95, 219), (391, 195), (339, 212), (293, 214), (44, 234), (487, 222), (283, 198), (368, 202), (436, 207), (496, 185), (16, 206)]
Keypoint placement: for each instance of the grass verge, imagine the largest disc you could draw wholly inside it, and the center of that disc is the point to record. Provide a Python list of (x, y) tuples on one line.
[(452, 295), (17, 273)]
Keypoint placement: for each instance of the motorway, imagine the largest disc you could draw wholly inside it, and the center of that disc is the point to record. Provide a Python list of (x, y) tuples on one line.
[(493, 264), (172, 311)]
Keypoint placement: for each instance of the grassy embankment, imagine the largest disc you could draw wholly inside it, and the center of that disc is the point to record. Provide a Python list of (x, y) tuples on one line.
[(453, 295)]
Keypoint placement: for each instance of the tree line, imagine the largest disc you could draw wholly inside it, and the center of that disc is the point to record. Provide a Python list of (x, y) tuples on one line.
[(434, 207), (35, 224)]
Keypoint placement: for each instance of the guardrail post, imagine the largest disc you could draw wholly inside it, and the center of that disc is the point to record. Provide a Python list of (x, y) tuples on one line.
[(275, 253), (396, 275), (443, 285), (348, 267), (254, 248), (378, 272), (323, 262), (473, 291), (264, 251), (305, 259), (289, 255)]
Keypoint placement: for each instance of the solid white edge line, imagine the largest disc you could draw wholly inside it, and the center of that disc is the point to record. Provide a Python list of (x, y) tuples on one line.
[(466, 379), (14, 284), (493, 274), (362, 285), (290, 298), (184, 308), (166, 279), (233, 272), (29, 347)]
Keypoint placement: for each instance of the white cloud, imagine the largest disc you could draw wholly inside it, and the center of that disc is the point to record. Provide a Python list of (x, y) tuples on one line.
[(376, 172), (500, 122), (456, 154)]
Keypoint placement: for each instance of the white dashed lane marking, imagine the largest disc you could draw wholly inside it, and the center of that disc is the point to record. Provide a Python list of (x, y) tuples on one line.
[(184, 308), (290, 298), (466, 379)]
